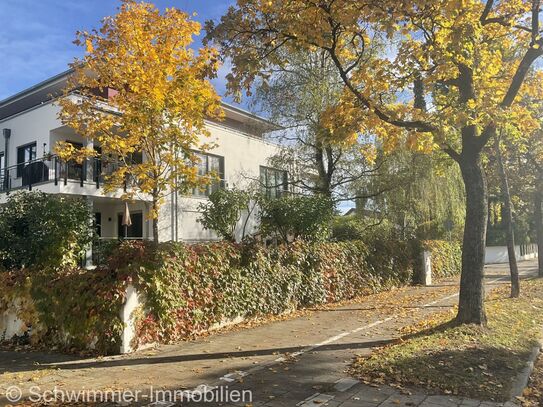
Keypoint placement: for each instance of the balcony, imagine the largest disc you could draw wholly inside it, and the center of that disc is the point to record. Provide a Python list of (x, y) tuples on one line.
[(51, 169), (91, 172)]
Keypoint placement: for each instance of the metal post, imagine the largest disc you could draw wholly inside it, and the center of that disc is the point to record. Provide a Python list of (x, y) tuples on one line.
[(426, 268), (7, 135)]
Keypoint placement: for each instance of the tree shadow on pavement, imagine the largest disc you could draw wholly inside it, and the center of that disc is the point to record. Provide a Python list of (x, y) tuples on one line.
[(25, 365)]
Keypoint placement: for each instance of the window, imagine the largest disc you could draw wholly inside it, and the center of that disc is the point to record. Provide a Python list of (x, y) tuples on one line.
[(210, 164), (274, 182), (25, 154), (98, 223), (135, 158), (2, 162)]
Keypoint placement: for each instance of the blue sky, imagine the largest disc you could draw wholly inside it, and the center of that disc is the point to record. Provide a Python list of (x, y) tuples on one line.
[(36, 35)]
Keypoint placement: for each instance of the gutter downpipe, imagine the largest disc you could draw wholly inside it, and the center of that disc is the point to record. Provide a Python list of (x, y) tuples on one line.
[(7, 135)]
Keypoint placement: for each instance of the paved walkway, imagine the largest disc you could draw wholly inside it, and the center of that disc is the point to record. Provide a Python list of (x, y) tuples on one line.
[(302, 361)]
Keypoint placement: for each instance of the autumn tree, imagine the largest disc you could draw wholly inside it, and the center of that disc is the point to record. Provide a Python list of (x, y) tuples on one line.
[(297, 97), (142, 89), (467, 60)]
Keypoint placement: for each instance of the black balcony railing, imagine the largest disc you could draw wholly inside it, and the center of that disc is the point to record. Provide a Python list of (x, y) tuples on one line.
[(52, 169)]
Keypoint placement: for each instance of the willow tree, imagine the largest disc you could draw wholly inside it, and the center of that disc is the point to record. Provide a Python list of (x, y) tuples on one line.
[(142, 89), (428, 200), (467, 59)]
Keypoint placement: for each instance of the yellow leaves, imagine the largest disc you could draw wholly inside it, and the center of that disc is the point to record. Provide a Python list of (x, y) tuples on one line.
[(162, 96), (88, 46), (369, 152), (384, 50)]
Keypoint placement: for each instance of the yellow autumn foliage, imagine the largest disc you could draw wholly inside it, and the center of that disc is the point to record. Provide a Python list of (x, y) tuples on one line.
[(141, 88)]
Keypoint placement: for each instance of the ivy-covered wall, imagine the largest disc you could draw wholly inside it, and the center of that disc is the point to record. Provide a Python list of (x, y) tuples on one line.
[(446, 257), (189, 288)]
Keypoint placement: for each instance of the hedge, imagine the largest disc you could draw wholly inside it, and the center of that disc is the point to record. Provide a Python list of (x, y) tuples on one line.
[(189, 288), (446, 257)]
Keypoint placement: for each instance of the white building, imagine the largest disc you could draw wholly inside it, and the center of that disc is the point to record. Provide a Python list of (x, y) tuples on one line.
[(31, 128)]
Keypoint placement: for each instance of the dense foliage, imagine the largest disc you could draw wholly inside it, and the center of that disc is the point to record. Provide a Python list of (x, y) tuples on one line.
[(67, 308), (223, 211), (354, 227), (446, 257), (189, 288), (297, 216), (41, 229)]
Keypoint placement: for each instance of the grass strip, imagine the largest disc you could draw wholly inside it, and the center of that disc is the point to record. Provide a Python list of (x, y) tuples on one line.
[(466, 360)]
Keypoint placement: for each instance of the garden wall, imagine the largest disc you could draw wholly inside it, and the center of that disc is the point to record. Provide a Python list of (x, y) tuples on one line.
[(146, 294), (498, 254)]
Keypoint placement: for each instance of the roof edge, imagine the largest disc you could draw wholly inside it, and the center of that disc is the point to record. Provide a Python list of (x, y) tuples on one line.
[(227, 106), (36, 87)]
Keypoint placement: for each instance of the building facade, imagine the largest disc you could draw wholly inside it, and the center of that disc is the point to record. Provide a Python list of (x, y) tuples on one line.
[(31, 129)]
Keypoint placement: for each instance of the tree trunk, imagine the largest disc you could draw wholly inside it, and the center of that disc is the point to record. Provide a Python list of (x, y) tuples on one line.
[(471, 301), (324, 170), (538, 215), (508, 221), (155, 219)]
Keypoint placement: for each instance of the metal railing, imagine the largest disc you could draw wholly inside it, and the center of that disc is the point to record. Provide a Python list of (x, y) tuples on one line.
[(52, 169)]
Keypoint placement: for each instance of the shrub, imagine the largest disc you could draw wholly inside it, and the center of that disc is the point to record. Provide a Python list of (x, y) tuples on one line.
[(103, 249), (189, 288), (346, 228), (223, 211), (303, 216), (36, 228)]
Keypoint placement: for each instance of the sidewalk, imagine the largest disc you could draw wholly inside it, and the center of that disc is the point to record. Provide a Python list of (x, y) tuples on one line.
[(295, 362)]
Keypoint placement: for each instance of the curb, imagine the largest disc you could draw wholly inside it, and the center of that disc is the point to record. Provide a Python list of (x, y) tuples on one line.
[(521, 381)]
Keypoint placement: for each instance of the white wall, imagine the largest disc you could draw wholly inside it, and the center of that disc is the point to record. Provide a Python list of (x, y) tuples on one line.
[(10, 324), (243, 156), (498, 254), (31, 126)]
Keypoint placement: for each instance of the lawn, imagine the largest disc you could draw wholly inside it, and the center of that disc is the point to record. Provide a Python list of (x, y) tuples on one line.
[(463, 360)]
